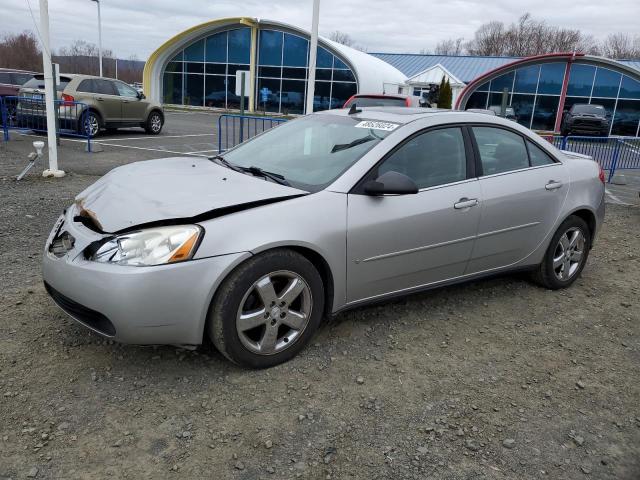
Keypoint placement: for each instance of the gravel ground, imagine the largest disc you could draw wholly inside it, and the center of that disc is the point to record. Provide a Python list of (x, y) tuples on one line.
[(496, 379)]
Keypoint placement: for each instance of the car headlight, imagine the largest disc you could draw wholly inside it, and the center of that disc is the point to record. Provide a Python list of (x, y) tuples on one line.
[(153, 246)]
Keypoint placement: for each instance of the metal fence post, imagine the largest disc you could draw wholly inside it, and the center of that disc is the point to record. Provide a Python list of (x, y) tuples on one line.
[(564, 143), (614, 161), (5, 120)]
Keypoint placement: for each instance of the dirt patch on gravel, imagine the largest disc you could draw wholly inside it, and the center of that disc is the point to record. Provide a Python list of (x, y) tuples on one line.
[(496, 379)]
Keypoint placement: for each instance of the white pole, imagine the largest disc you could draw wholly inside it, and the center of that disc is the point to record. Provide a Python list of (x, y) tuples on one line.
[(311, 84), (99, 37), (116, 68), (49, 93)]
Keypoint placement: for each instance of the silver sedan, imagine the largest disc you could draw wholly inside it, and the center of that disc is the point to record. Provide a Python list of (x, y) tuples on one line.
[(328, 212)]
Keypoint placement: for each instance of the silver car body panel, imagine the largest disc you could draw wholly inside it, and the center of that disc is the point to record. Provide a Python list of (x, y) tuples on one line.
[(371, 247)]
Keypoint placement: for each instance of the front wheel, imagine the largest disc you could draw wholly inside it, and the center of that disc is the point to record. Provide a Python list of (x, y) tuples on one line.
[(566, 256), (267, 310), (153, 126)]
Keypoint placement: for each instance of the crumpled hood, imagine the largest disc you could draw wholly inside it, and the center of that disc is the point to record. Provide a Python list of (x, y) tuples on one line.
[(171, 189)]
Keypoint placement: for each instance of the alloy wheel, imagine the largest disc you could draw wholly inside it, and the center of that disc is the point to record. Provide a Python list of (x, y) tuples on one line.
[(91, 125), (156, 123), (568, 254), (274, 312)]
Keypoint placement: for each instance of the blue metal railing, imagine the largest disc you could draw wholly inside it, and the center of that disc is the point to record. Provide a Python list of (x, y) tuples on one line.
[(29, 114), (611, 153), (235, 129)]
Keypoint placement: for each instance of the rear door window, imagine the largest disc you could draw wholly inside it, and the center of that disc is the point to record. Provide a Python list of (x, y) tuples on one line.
[(5, 77), (21, 78), (104, 87), (500, 150)]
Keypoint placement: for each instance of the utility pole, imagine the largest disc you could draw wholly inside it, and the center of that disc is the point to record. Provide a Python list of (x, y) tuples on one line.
[(49, 93), (313, 46), (99, 36)]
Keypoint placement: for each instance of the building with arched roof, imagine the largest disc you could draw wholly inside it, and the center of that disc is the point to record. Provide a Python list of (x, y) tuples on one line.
[(202, 66)]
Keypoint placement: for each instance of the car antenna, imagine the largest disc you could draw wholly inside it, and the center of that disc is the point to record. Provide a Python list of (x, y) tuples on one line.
[(354, 109)]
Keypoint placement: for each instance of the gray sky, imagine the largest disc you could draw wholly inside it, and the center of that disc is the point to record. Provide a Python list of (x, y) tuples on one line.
[(137, 27)]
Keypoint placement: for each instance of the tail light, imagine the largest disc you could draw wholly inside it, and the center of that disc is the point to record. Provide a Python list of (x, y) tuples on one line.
[(601, 175), (67, 100), (407, 102)]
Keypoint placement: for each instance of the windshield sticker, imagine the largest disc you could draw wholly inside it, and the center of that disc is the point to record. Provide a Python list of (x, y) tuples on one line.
[(386, 126)]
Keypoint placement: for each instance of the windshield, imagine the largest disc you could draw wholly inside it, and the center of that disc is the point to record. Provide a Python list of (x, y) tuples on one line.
[(592, 109), (377, 102), (310, 152)]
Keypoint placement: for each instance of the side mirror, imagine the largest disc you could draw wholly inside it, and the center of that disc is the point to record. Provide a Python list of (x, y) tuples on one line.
[(391, 183), (141, 96)]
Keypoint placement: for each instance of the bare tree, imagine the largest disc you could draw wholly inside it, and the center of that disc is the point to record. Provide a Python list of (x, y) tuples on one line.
[(21, 51), (341, 37), (450, 47), (621, 45)]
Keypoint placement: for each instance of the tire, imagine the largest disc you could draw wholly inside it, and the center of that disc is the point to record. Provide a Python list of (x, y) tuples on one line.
[(266, 337), (154, 123), (554, 278), (90, 124)]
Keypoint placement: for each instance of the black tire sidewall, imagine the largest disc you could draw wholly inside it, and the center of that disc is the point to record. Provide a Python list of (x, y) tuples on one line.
[(222, 321), (549, 277)]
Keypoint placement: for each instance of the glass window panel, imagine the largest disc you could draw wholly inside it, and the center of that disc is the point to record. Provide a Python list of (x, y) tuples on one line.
[(627, 118), (606, 83), (537, 156), (192, 67), (218, 68), (551, 78), (477, 100), (292, 99), (217, 48), (300, 73), (233, 68), (581, 80), (523, 108), (495, 101), (275, 72), (343, 76), (323, 74), (503, 81), (544, 114), (270, 51), (322, 96), (174, 67), (630, 88), (324, 59), (295, 51), (483, 88), (215, 91), (233, 100), (172, 88), (271, 101), (239, 45), (527, 79), (500, 150), (178, 57), (337, 63), (194, 52), (432, 158), (194, 90), (341, 92)]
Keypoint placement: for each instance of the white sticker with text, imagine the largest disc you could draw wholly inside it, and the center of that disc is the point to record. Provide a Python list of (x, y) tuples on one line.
[(386, 126)]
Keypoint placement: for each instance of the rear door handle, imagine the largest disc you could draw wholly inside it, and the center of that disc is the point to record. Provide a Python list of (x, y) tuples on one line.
[(465, 203), (553, 185), (100, 99)]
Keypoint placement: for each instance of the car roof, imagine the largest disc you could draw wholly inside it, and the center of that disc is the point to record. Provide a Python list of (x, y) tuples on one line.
[(381, 95), (13, 70), (399, 115)]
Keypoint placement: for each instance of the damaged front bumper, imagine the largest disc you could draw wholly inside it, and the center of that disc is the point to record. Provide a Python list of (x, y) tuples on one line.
[(164, 304)]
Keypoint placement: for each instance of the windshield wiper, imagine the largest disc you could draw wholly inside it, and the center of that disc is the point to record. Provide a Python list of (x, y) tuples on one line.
[(345, 146), (220, 160), (258, 172)]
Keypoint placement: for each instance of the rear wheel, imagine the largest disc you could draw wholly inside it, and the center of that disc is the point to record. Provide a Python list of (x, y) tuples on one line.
[(267, 310), (153, 125), (566, 256), (90, 124)]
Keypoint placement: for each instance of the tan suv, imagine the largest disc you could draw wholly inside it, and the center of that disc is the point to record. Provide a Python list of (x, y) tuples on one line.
[(105, 103)]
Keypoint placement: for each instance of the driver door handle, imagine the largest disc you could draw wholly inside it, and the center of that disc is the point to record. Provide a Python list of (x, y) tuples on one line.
[(465, 203), (553, 185)]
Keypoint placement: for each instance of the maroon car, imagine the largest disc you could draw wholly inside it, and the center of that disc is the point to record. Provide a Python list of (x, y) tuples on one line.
[(12, 80), (383, 100)]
